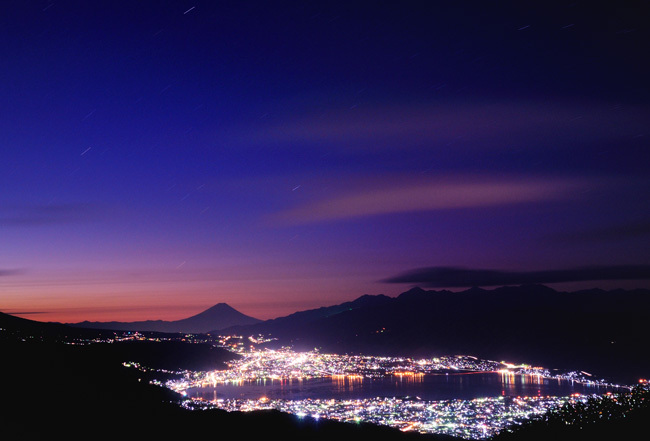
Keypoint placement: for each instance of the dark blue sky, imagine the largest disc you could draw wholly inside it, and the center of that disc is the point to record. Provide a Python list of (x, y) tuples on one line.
[(160, 157)]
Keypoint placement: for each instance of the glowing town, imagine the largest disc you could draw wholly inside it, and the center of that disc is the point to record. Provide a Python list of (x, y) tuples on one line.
[(472, 419)]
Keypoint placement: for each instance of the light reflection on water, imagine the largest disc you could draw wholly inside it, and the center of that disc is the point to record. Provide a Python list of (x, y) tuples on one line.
[(427, 387)]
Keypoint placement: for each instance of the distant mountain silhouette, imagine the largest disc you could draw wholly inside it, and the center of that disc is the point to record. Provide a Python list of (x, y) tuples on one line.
[(590, 329), (158, 354), (17, 327), (293, 323), (217, 317)]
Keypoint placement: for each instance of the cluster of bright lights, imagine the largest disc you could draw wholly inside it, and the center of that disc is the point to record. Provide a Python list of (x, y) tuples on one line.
[(470, 419), (478, 418), (286, 364)]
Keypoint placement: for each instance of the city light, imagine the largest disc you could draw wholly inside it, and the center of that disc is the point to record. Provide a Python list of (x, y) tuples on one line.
[(471, 419)]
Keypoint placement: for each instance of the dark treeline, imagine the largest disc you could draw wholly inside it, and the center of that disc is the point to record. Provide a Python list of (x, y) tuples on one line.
[(619, 416)]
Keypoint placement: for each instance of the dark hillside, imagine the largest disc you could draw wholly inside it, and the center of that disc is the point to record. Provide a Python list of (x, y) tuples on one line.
[(594, 330), (57, 390), (622, 416)]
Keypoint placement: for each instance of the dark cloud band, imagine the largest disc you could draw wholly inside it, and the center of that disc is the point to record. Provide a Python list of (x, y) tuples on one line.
[(616, 232), (37, 215), (10, 272), (450, 277)]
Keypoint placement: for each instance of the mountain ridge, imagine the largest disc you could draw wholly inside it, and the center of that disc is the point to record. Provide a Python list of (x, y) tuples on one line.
[(218, 316), (595, 330)]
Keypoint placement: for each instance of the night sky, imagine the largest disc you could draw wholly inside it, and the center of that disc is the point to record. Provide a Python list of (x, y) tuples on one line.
[(158, 157)]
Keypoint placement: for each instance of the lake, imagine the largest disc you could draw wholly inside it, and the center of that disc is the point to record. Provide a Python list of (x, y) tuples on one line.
[(427, 387)]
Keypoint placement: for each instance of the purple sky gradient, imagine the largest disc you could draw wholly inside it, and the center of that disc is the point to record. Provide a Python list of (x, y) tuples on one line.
[(279, 156)]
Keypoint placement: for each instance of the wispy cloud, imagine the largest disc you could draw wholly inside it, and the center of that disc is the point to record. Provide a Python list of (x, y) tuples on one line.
[(15, 215), (402, 195), (412, 126), (631, 230), (453, 277), (10, 272)]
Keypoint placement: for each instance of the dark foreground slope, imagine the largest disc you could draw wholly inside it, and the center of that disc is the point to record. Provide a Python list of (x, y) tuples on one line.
[(621, 416), (55, 390)]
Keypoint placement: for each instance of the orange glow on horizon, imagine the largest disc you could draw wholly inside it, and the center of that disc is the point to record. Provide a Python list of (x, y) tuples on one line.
[(73, 301), (63, 296)]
